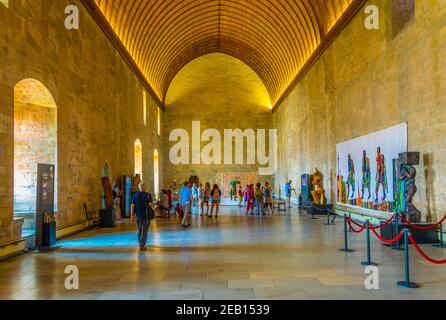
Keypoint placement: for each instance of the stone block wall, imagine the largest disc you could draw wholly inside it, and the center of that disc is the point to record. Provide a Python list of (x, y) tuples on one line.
[(99, 104), (366, 81)]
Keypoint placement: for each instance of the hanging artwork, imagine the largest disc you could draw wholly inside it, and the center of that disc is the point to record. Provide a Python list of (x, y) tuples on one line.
[(382, 146)]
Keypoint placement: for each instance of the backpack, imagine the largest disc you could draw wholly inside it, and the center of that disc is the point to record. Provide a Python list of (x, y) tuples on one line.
[(216, 195), (258, 193)]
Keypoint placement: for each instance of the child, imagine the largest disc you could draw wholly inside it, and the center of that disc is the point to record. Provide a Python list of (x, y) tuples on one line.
[(268, 195)]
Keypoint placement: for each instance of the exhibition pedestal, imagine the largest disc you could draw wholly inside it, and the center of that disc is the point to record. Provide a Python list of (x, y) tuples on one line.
[(108, 217)]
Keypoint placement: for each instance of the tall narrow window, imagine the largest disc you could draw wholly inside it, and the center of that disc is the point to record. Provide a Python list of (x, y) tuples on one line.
[(144, 107), (159, 121)]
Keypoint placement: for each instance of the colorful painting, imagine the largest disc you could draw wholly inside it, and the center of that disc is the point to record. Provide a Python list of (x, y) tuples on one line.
[(383, 146)]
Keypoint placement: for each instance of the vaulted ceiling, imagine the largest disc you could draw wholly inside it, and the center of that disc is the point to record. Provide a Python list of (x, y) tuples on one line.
[(276, 38)]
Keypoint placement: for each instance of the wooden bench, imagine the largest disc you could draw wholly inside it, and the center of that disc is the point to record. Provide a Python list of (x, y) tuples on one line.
[(279, 205), (91, 217)]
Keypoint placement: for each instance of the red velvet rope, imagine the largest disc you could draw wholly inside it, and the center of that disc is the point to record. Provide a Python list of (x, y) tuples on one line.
[(384, 224), (423, 254), (397, 238), (349, 221), (423, 228)]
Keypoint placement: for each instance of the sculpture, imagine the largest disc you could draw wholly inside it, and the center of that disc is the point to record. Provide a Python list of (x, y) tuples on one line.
[(381, 175), (351, 176), (366, 174), (318, 193)]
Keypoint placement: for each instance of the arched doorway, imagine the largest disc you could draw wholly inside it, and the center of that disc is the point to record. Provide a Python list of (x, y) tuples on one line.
[(156, 172), (138, 158), (35, 141), (106, 172)]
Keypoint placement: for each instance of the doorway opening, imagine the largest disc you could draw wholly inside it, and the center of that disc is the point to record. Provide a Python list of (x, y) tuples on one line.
[(156, 172)]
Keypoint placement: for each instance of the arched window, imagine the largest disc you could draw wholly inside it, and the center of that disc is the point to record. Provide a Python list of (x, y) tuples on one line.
[(35, 141), (138, 158), (156, 172)]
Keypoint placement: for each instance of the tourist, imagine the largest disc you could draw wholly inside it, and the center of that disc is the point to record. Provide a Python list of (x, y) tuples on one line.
[(240, 194), (268, 198), (163, 204), (185, 202), (141, 210), (250, 199), (215, 198), (288, 189), (206, 196), (194, 195)]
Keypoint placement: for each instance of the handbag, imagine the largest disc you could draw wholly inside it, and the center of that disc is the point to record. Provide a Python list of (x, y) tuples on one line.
[(150, 213)]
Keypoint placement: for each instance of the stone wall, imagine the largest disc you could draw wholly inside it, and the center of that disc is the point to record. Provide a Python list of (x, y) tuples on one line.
[(366, 81), (222, 93), (35, 141), (99, 104)]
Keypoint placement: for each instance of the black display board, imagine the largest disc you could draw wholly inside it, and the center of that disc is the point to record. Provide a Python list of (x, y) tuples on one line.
[(45, 197), (127, 196)]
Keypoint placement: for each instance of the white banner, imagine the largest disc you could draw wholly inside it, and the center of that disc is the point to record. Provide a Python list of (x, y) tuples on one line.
[(369, 171)]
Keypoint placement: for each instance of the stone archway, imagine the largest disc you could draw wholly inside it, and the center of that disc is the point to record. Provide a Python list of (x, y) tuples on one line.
[(156, 172)]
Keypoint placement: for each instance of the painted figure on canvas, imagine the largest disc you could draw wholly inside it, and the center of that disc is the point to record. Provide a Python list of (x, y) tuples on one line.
[(381, 175), (351, 176), (366, 174)]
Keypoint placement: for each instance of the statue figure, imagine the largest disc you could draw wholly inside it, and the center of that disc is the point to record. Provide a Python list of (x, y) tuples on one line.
[(381, 175), (318, 193), (408, 174), (366, 174), (351, 176)]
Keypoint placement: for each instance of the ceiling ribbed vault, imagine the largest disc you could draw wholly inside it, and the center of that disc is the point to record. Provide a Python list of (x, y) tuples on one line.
[(276, 38)]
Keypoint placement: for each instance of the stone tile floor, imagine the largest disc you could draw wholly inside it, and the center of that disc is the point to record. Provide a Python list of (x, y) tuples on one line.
[(286, 256)]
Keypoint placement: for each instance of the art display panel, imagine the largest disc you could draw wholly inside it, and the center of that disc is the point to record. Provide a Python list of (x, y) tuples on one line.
[(365, 168)]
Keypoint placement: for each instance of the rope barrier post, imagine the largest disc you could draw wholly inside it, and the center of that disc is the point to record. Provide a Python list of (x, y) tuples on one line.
[(345, 249), (369, 253), (406, 283), (329, 223), (312, 208), (441, 244), (397, 245)]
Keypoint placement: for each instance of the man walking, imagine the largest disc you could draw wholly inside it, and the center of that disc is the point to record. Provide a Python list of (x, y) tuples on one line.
[(186, 200), (140, 212), (288, 189)]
